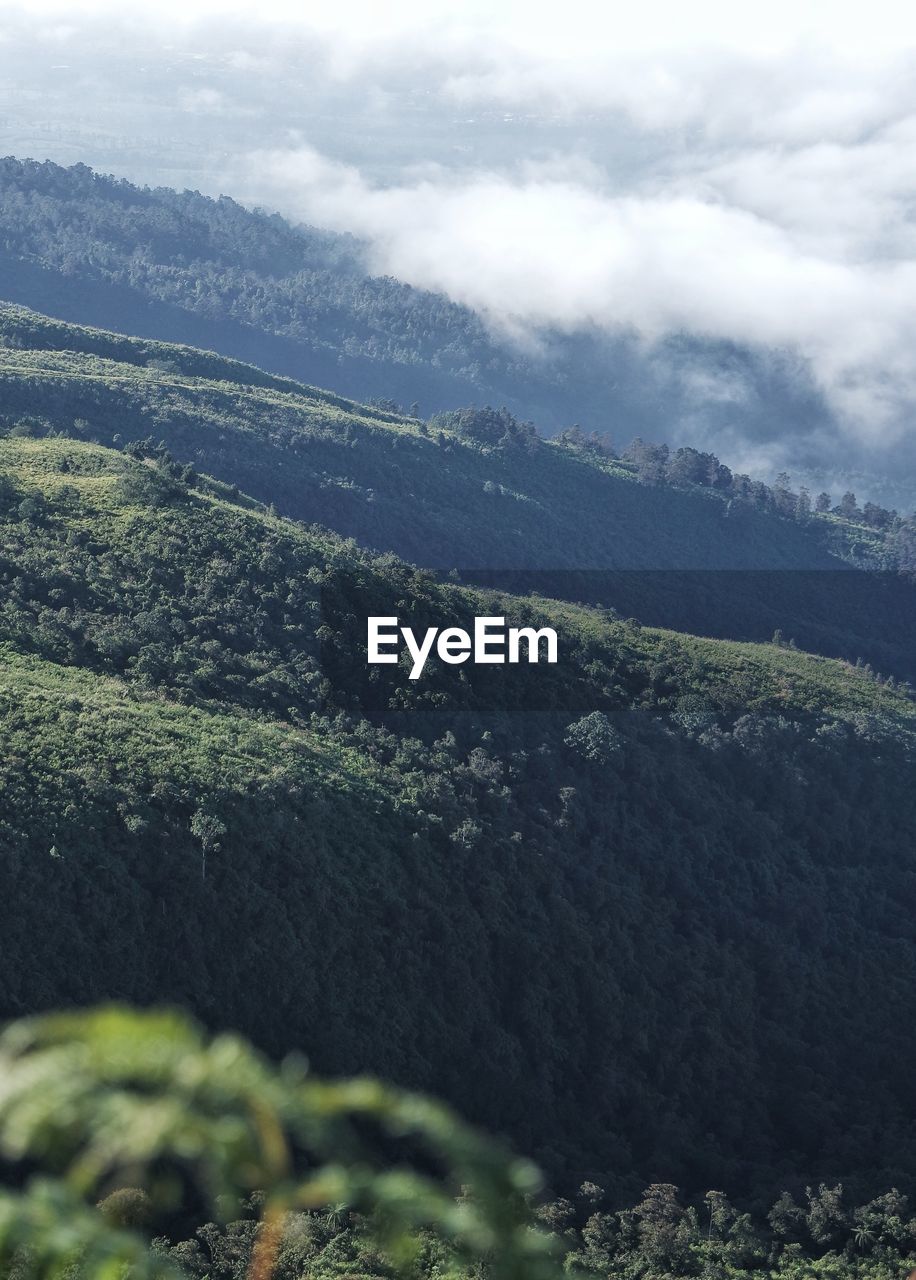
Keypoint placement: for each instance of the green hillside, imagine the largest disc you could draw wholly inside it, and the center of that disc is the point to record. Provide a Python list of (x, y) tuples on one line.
[(443, 499), (558, 519), (647, 912)]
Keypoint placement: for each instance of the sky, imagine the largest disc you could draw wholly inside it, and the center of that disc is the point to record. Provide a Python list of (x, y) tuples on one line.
[(661, 168)]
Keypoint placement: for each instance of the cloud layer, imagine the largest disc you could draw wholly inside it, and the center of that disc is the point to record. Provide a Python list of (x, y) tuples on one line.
[(659, 168), (764, 248)]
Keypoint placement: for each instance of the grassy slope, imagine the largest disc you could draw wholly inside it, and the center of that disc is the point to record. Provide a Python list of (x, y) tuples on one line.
[(96, 720), (564, 523), (381, 478), (83, 487), (38, 337)]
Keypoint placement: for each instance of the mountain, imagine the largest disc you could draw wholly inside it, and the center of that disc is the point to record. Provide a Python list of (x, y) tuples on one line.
[(481, 494), (301, 302), (646, 911)]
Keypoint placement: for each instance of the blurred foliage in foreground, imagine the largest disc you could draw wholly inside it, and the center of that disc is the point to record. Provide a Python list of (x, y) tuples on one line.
[(136, 1120), (131, 1114)]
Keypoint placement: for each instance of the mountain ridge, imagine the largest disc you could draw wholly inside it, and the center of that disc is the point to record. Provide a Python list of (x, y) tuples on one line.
[(557, 518)]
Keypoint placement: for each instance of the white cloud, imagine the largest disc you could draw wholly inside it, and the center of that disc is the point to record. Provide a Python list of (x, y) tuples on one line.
[(742, 174), (542, 249)]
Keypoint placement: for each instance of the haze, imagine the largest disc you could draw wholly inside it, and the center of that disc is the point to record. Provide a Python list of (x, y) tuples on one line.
[(680, 170)]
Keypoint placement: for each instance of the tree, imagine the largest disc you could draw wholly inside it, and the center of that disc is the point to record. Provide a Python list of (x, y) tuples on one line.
[(688, 466), (721, 1213), (594, 738), (496, 428), (787, 1218), (826, 1217), (784, 499), (557, 1215), (864, 1236), (650, 460), (848, 507), (663, 1227), (149, 485), (903, 545), (590, 1195), (877, 517), (209, 830), (886, 1221), (30, 509), (823, 502)]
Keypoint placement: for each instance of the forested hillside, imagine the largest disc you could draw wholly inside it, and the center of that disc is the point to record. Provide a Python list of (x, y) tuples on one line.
[(298, 301), (647, 912), (479, 491)]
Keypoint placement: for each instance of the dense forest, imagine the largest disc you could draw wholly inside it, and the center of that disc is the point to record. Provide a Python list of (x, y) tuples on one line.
[(672, 874), (646, 535), (186, 268), (818, 1234)]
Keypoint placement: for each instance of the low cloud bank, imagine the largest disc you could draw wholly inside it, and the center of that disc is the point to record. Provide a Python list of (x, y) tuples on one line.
[(734, 250), (729, 176)]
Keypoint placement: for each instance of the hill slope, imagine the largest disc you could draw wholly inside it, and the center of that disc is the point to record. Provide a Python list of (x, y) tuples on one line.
[(185, 268), (647, 911), (559, 519)]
